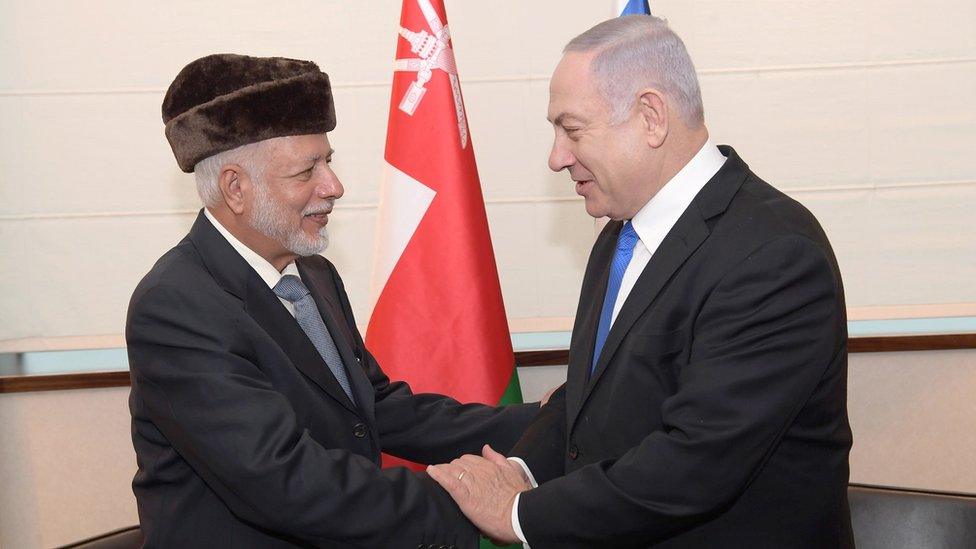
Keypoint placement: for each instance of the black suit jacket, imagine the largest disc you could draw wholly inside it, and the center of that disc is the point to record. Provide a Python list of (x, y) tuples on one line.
[(243, 436), (717, 414)]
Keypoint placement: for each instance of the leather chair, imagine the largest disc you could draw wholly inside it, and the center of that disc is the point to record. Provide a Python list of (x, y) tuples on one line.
[(889, 518), (129, 537)]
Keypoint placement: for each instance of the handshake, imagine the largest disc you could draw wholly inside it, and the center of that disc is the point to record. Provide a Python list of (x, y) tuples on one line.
[(485, 488)]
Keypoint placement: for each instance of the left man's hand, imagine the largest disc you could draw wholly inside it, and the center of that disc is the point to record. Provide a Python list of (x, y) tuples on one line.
[(484, 487)]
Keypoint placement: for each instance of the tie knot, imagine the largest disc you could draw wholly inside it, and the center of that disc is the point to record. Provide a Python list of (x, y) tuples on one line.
[(627, 237), (290, 288)]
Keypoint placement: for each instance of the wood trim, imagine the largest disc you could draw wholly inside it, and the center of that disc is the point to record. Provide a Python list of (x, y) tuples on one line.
[(523, 359), (81, 380), (933, 342), (554, 357), (874, 344)]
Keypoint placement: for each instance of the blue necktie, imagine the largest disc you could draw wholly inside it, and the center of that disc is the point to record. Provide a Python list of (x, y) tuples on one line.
[(621, 258), (291, 288)]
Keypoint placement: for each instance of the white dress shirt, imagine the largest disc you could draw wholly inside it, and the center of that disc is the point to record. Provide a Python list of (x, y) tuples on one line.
[(652, 223), (262, 266)]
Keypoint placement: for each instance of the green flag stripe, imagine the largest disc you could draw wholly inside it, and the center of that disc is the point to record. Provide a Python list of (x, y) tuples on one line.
[(513, 393)]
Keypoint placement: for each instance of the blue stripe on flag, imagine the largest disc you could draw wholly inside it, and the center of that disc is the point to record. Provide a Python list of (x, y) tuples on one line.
[(636, 7)]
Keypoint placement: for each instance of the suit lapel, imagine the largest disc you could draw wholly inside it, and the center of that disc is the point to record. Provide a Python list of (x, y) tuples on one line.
[(319, 283), (683, 239), (236, 277), (265, 308), (588, 316), (687, 235)]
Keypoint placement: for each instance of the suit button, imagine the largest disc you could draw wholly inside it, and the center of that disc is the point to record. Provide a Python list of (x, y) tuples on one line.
[(573, 452), (359, 430)]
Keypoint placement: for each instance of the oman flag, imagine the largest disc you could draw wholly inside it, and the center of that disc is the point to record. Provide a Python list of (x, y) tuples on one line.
[(438, 322)]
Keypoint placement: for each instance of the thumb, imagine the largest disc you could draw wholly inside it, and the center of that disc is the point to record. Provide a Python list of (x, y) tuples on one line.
[(491, 455)]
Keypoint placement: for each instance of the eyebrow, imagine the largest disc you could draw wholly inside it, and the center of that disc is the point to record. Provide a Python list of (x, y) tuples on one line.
[(314, 159), (317, 157), (561, 119)]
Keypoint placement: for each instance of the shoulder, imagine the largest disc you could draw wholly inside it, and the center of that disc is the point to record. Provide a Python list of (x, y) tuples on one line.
[(760, 214), (178, 287)]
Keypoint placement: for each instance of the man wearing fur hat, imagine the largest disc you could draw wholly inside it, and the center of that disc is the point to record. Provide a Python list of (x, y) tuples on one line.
[(258, 416)]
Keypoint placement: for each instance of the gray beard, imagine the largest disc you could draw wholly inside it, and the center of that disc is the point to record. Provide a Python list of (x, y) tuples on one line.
[(270, 219)]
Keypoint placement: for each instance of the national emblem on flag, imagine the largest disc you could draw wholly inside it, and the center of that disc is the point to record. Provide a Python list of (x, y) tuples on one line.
[(438, 321)]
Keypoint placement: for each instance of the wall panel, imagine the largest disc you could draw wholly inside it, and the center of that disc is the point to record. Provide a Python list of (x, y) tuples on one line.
[(862, 110)]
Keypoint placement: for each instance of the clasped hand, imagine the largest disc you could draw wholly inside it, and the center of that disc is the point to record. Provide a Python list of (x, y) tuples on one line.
[(484, 487)]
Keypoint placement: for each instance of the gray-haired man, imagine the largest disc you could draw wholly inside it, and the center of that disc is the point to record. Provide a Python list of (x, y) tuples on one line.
[(258, 416), (705, 404)]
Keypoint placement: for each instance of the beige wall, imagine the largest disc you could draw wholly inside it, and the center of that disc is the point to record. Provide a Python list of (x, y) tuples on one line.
[(66, 460), (862, 109), (66, 464)]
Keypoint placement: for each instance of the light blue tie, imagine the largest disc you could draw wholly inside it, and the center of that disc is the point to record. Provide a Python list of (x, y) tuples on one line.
[(291, 288), (621, 258)]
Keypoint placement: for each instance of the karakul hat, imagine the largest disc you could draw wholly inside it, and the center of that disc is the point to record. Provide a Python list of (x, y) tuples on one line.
[(222, 101)]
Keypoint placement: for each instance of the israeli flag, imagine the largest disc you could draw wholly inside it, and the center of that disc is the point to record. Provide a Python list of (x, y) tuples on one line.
[(633, 7)]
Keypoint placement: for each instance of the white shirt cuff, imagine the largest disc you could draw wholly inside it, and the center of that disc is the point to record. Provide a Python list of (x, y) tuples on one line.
[(525, 468), (515, 522)]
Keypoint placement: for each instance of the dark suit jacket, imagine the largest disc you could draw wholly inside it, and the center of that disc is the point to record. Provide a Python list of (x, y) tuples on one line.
[(243, 436), (717, 414)]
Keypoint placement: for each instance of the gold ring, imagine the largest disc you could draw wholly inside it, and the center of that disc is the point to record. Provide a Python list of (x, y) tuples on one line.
[(461, 475)]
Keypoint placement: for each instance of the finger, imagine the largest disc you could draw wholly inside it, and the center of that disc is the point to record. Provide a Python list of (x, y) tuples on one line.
[(446, 477), (547, 396)]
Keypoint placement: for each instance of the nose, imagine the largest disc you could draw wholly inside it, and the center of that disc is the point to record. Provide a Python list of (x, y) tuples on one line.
[(560, 157), (330, 186)]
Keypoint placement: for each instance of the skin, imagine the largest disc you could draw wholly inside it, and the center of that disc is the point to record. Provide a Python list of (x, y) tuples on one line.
[(618, 168), (469, 479), (299, 178)]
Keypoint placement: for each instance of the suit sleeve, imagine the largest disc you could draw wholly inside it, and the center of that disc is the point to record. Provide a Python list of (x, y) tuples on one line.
[(432, 428), (763, 339), (543, 446), (219, 411)]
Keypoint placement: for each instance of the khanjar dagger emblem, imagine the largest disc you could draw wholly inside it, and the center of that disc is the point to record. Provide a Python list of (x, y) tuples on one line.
[(433, 52)]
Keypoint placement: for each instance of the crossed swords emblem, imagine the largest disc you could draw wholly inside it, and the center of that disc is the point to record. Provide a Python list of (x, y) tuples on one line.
[(433, 53)]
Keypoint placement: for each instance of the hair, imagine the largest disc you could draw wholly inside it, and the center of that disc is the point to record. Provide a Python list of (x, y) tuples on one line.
[(638, 51), (207, 171)]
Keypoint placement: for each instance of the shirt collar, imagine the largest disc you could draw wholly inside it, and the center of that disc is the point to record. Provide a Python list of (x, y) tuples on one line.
[(265, 270), (664, 208)]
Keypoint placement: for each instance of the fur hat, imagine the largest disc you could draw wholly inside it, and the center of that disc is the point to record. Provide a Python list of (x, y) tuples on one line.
[(222, 101)]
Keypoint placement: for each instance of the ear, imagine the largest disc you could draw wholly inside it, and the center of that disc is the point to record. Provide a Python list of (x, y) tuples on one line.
[(234, 183), (653, 110)]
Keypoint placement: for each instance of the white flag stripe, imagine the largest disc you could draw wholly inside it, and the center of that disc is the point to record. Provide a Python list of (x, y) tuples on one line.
[(403, 203)]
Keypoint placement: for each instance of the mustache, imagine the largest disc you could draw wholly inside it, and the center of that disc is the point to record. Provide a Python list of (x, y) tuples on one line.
[(324, 208)]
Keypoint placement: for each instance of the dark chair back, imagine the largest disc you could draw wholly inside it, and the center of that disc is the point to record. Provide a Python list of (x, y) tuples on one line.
[(129, 537), (889, 518)]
